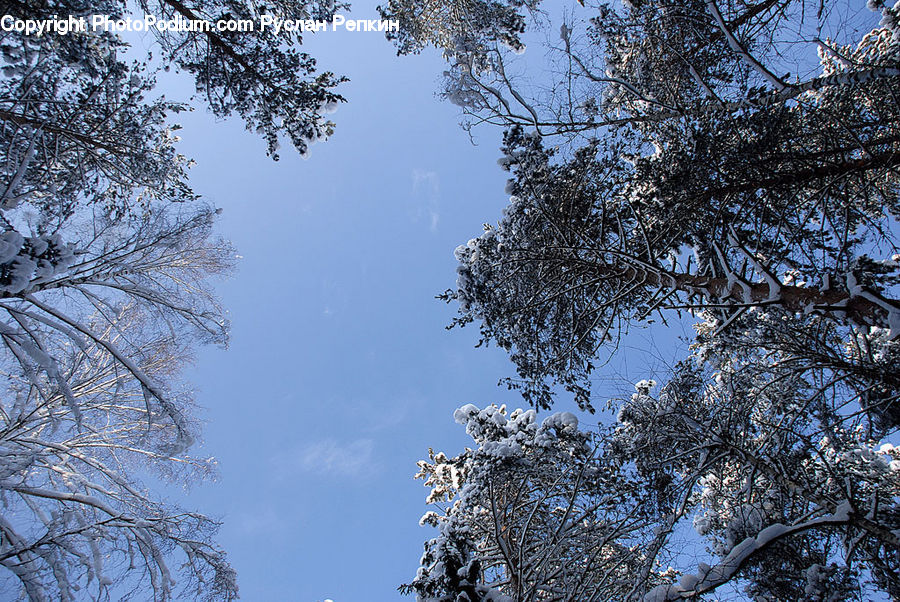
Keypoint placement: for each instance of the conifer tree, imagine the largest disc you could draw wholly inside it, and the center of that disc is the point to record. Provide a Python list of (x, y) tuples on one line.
[(736, 162)]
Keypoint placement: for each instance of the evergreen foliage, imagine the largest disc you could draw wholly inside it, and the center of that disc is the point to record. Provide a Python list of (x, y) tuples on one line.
[(733, 161)]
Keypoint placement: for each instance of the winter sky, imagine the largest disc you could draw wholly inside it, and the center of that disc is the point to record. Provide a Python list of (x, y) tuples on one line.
[(340, 374)]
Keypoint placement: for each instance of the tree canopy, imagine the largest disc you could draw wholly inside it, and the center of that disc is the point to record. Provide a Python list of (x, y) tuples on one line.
[(740, 201), (107, 259), (732, 161)]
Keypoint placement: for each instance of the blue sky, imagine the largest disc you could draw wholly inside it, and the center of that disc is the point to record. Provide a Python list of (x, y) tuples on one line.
[(340, 374)]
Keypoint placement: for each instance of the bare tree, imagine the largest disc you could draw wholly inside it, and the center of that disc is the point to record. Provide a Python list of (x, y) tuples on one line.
[(107, 260), (93, 354)]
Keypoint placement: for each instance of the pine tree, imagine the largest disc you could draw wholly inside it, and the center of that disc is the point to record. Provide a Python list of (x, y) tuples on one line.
[(694, 158)]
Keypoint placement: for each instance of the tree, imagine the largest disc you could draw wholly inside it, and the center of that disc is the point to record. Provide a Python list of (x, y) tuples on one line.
[(106, 263), (90, 370), (573, 263), (534, 512), (261, 77), (668, 165), (555, 513), (736, 208)]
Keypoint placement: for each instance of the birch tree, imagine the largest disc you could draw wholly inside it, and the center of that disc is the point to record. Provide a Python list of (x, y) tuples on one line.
[(95, 333), (107, 261)]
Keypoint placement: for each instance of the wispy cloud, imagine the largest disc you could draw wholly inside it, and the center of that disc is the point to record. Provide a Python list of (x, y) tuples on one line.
[(427, 188), (259, 521), (329, 457)]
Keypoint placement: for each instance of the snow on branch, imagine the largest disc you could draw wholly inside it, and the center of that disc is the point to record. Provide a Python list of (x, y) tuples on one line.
[(725, 570)]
